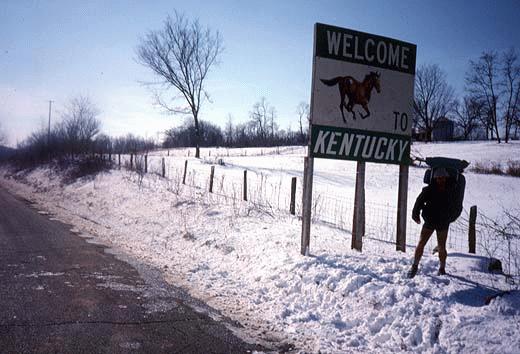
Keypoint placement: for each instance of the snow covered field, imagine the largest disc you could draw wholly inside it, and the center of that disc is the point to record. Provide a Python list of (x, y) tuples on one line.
[(270, 171), (243, 258)]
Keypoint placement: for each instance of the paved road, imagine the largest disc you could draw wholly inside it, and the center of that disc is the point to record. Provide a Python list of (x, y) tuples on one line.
[(61, 294)]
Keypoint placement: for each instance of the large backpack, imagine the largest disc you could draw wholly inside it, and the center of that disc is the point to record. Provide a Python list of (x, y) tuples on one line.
[(455, 168)]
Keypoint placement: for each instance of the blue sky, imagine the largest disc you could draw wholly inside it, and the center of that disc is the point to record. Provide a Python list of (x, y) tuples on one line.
[(60, 49)]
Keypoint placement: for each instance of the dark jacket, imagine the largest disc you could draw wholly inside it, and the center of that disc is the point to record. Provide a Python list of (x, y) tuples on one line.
[(438, 208)]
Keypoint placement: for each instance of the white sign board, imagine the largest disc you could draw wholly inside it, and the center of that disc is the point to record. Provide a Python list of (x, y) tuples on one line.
[(362, 96)]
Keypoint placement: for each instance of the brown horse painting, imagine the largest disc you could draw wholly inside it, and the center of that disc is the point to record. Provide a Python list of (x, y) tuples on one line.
[(357, 92)]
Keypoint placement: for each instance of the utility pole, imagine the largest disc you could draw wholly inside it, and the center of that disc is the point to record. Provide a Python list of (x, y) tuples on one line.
[(49, 126)]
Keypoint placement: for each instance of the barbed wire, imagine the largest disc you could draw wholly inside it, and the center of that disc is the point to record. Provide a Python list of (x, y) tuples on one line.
[(270, 193)]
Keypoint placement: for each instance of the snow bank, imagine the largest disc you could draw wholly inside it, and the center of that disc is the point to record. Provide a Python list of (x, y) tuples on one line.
[(245, 261)]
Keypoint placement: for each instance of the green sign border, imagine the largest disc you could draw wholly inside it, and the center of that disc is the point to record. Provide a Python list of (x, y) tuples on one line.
[(315, 129), (321, 49)]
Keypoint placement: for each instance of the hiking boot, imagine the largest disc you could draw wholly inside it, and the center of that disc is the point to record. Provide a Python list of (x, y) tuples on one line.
[(441, 271), (412, 271)]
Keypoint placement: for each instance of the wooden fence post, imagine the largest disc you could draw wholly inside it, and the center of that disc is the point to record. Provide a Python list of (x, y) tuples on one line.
[(472, 239), (163, 165), (244, 193), (185, 169), (131, 161), (119, 160), (110, 156), (211, 175), (145, 163), (292, 207), (402, 198)]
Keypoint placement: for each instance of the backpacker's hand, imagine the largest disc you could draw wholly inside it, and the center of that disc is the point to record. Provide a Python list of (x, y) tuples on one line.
[(416, 219)]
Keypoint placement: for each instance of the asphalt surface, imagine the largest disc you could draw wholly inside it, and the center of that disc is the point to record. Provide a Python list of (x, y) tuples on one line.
[(61, 294)]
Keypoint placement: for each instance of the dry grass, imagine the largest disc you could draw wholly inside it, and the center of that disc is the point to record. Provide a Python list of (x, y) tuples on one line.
[(494, 168), (513, 168), (87, 167)]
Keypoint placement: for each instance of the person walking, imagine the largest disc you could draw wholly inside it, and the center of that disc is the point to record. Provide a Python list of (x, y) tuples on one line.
[(436, 201)]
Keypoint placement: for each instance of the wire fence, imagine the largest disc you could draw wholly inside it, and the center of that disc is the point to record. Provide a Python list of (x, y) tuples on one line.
[(271, 192), (381, 222)]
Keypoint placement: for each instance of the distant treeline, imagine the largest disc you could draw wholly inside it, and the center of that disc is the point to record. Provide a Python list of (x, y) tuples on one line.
[(77, 134), (240, 135), (489, 108), (260, 130)]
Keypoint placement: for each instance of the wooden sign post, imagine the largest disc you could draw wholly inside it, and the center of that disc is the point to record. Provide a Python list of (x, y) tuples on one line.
[(402, 199), (358, 220)]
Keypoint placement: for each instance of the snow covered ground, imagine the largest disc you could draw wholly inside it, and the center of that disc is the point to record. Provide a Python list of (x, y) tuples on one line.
[(270, 171), (243, 258)]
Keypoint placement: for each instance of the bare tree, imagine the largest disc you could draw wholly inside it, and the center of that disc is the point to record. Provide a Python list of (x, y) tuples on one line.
[(3, 137), (80, 124), (228, 131), (259, 118), (510, 90), (103, 144), (303, 112), (467, 115), (131, 144), (516, 124), (73, 135), (483, 83), (271, 117), (262, 121), (181, 54), (434, 98)]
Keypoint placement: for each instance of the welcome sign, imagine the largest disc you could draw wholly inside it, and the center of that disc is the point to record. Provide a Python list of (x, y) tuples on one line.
[(362, 96)]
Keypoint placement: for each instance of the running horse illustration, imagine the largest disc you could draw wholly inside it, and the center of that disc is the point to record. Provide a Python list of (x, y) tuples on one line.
[(357, 92)]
